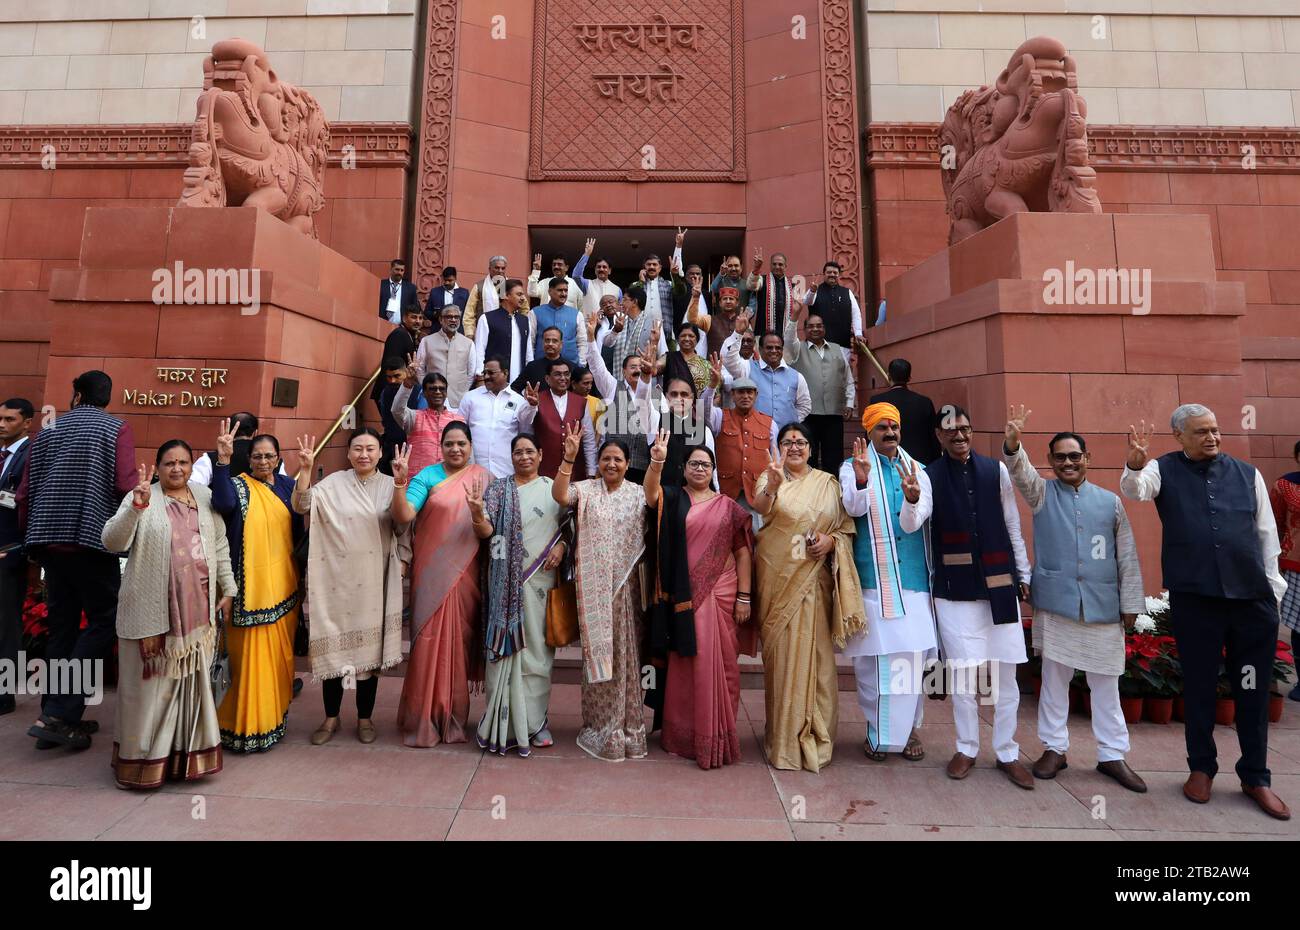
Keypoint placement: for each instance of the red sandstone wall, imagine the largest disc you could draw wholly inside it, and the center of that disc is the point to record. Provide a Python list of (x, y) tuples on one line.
[(1255, 228), (41, 219)]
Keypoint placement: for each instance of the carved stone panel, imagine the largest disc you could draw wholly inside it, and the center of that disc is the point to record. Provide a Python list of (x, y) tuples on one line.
[(638, 90)]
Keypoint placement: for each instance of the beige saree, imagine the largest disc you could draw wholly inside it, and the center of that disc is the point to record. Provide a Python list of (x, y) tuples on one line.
[(354, 576), (806, 606)]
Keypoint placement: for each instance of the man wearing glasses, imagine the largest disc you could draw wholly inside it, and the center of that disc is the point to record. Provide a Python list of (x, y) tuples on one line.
[(1087, 589), (977, 563)]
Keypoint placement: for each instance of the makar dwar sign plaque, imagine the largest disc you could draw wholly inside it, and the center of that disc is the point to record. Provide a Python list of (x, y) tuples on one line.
[(630, 91)]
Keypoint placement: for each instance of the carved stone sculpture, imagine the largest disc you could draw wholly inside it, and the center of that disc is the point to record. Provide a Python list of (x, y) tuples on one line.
[(257, 141), (1019, 145)]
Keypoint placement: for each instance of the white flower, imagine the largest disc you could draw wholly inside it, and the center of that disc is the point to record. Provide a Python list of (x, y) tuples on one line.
[(1144, 624), (1155, 605)]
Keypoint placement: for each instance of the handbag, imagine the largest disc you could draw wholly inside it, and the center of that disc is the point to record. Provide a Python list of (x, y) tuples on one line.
[(219, 671), (562, 615)]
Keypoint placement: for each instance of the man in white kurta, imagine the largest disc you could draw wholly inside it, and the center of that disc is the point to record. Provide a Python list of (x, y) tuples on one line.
[(967, 631), (890, 655), (1085, 558)]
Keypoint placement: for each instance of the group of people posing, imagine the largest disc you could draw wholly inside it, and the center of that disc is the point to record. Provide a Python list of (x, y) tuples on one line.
[(688, 516)]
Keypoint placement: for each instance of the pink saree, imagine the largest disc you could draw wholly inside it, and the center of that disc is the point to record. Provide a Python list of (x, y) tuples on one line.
[(702, 699), (446, 640)]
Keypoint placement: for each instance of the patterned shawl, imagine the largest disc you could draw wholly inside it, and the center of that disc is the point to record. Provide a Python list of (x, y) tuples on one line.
[(611, 541), (503, 609)]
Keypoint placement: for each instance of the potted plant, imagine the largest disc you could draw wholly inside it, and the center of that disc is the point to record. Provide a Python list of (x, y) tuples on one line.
[(1141, 652)]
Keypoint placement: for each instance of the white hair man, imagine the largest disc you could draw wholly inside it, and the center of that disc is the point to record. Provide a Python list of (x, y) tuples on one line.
[(1219, 556)]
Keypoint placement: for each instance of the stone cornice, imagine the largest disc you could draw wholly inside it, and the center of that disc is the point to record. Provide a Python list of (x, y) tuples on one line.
[(165, 144), (1120, 148)]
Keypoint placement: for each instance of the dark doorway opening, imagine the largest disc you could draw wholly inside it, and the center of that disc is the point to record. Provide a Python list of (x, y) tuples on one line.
[(626, 248)]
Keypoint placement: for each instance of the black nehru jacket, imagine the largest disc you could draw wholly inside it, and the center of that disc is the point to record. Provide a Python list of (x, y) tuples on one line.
[(917, 411)]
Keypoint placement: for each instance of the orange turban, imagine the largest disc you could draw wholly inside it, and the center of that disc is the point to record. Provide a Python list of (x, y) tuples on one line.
[(877, 412)]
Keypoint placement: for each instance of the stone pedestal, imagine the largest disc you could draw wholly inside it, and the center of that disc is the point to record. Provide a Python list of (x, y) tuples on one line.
[(122, 310), (984, 326)]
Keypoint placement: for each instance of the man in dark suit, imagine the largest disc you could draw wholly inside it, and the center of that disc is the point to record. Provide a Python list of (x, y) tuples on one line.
[(395, 292), (15, 421), (917, 411), (440, 297)]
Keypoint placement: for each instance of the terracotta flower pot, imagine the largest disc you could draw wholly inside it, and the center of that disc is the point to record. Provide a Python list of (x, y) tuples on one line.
[(1180, 709), (1132, 707), (1159, 709), (1224, 710), (1275, 704)]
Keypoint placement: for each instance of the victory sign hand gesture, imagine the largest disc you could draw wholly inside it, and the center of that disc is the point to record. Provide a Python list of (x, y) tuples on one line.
[(1016, 419), (1139, 440), (572, 440), (141, 493), (911, 484), (862, 460), (225, 442)]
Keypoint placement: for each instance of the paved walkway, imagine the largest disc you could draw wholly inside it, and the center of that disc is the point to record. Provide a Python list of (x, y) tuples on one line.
[(345, 790)]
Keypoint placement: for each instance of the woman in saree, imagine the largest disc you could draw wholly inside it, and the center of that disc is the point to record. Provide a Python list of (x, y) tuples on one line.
[(520, 510), (176, 587), (424, 427), (446, 597), (704, 581), (611, 541), (808, 598), (354, 578), (685, 362), (262, 529)]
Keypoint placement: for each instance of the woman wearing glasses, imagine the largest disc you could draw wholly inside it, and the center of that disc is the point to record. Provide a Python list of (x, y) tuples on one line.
[(809, 600), (703, 592), (262, 529), (424, 427)]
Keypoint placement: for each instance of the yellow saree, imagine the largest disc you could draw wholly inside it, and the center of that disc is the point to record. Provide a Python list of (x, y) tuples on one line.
[(260, 635), (807, 606)]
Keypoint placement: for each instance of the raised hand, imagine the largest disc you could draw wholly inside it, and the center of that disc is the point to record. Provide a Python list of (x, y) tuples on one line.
[(862, 460), (742, 323), (911, 483), (620, 320), (775, 471), (758, 259), (141, 493), (474, 498), (591, 329), (681, 236), (409, 380), (225, 442), (715, 363), (591, 247), (1016, 419), (306, 453), (674, 266), (659, 451), (572, 440), (530, 394), (695, 291), (401, 464), (537, 261), (650, 356), (1139, 441)]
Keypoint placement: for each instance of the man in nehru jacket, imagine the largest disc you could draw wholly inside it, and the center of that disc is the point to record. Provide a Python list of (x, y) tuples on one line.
[(1219, 552), (890, 654), (1086, 590), (977, 563)]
